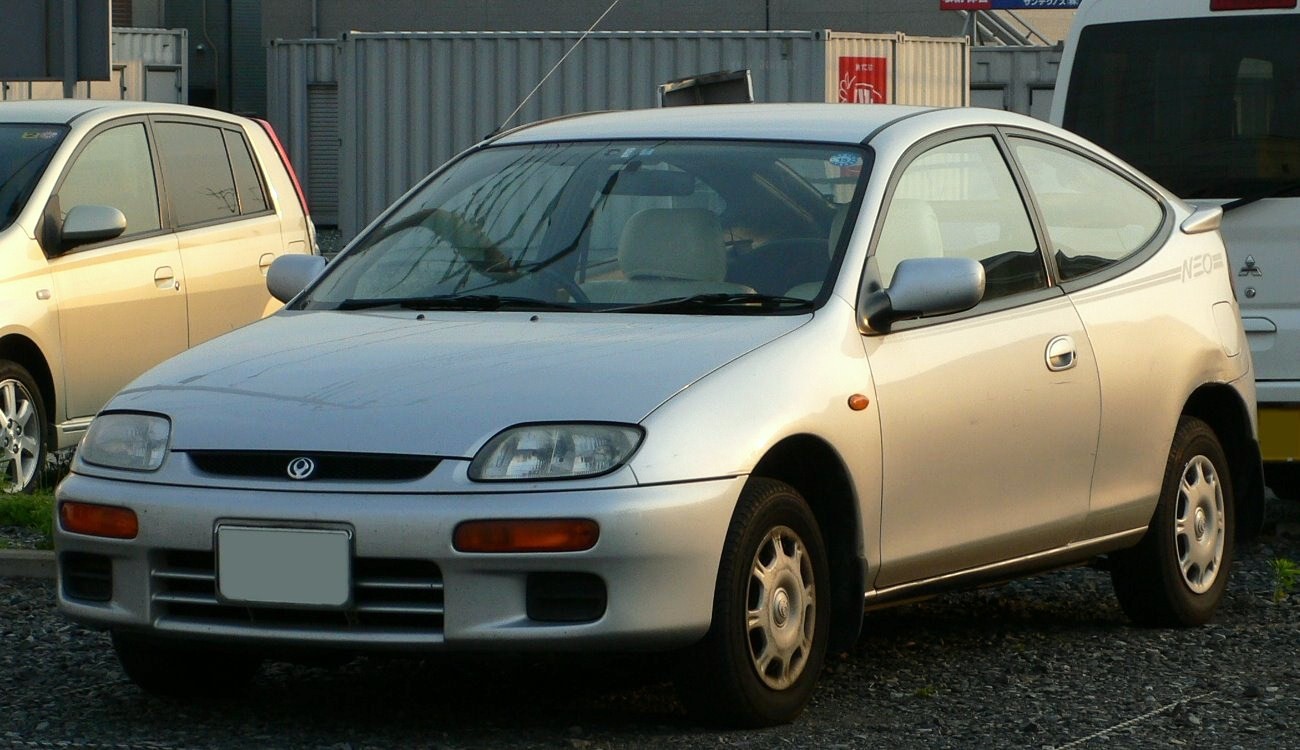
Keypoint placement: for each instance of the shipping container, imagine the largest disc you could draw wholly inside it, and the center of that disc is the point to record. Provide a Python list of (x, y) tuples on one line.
[(303, 106), (1019, 79), (147, 65), (408, 101)]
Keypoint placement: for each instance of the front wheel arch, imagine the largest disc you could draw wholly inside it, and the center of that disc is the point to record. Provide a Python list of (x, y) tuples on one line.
[(812, 467)]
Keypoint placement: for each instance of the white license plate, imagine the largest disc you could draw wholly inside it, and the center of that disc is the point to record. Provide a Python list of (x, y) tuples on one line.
[(294, 567)]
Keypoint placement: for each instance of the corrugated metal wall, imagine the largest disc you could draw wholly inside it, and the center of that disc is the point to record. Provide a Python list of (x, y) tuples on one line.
[(148, 65), (932, 72), (302, 90), (1020, 79), (409, 101)]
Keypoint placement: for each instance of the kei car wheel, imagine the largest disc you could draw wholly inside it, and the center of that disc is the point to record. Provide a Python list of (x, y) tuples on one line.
[(1177, 574), (175, 668), (22, 435), (771, 614)]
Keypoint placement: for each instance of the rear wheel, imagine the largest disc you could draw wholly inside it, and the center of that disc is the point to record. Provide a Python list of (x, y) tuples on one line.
[(771, 615), (176, 668), (22, 434), (1177, 574)]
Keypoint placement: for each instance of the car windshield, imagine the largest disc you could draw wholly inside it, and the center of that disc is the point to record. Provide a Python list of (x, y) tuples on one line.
[(24, 152), (689, 227)]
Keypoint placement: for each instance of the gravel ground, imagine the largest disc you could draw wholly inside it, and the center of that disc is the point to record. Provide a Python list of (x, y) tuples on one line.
[(1048, 662)]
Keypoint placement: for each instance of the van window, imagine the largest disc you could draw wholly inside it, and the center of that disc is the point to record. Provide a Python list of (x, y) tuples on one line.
[(1209, 107), (115, 169), (199, 182), (1094, 216)]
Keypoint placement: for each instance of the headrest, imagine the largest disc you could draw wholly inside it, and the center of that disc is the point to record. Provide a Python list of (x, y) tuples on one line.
[(673, 243)]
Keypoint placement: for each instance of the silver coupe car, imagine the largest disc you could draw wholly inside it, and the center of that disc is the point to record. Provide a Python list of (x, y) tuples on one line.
[(710, 381)]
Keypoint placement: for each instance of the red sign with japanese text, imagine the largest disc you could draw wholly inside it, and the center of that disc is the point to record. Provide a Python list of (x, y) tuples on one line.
[(965, 4), (863, 80)]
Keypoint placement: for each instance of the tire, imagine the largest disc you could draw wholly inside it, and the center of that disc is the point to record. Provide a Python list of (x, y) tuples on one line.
[(761, 658), (179, 669), (24, 429), (1176, 576)]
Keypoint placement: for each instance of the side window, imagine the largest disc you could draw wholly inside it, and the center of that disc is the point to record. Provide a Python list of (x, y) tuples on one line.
[(958, 200), (197, 173), (1094, 216), (249, 188), (115, 169)]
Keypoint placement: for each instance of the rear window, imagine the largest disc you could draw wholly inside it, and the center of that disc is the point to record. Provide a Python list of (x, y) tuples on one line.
[(25, 150), (1209, 107)]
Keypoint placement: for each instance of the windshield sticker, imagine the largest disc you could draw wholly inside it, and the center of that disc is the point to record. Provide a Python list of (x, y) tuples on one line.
[(40, 135), (846, 160)]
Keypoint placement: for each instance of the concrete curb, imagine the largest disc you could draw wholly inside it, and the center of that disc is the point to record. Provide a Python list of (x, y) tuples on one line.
[(26, 563)]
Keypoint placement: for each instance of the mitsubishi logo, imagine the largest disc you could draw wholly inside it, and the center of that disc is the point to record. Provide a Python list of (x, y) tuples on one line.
[(301, 468), (1250, 269)]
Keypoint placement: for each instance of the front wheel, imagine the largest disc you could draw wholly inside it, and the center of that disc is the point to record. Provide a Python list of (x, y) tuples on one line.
[(22, 434), (1177, 574), (771, 614)]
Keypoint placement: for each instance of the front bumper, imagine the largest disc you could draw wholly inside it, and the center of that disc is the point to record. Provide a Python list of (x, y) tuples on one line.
[(657, 554)]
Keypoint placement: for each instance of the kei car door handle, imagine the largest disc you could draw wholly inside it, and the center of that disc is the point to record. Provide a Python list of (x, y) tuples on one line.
[(165, 278), (264, 262), (1060, 353)]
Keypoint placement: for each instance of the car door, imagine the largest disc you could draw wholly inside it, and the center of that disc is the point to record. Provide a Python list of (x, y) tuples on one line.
[(989, 417), (227, 230), (121, 303)]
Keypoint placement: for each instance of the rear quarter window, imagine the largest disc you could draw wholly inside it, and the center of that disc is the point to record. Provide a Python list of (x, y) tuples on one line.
[(1095, 217)]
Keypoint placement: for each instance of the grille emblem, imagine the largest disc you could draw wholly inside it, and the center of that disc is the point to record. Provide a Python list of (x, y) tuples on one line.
[(301, 468)]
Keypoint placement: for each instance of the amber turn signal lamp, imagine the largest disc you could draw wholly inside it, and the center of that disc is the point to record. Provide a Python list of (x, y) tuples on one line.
[(858, 402), (98, 520), (527, 535)]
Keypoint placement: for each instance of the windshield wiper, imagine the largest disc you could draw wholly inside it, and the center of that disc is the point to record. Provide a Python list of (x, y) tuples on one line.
[(455, 302), (1276, 192), (718, 303)]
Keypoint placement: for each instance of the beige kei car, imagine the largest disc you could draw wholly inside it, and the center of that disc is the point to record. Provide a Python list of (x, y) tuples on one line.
[(128, 233), (704, 380)]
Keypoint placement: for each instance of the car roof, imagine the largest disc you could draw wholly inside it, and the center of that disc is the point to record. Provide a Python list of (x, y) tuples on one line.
[(831, 123), (66, 111), (813, 123)]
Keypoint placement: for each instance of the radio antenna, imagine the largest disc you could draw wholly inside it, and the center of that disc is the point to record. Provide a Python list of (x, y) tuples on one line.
[(554, 68)]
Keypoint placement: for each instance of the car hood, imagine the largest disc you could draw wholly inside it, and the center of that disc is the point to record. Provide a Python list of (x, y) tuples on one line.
[(438, 384)]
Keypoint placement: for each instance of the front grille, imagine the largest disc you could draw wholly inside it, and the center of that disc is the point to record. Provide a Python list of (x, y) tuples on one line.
[(389, 596), (369, 467)]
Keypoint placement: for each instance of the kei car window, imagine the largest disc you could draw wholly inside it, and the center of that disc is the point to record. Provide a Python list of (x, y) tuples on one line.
[(197, 172), (1094, 216), (115, 169), (252, 199), (959, 200), (621, 225), (25, 150)]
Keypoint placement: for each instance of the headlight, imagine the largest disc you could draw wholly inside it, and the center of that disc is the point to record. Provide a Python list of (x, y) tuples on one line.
[(555, 451), (137, 442)]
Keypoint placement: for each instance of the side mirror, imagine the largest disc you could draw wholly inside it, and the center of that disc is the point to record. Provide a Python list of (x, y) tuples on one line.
[(922, 287), (86, 224), (290, 274)]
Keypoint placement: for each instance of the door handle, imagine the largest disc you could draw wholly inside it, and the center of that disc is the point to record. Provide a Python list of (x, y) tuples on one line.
[(264, 262), (1060, 353), (165, 278)]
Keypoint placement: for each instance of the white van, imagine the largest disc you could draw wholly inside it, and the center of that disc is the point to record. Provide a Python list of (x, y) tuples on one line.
[(1204, 97)]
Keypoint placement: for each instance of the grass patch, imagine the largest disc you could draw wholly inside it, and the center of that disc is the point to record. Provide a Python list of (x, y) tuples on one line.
[(34, 512)]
